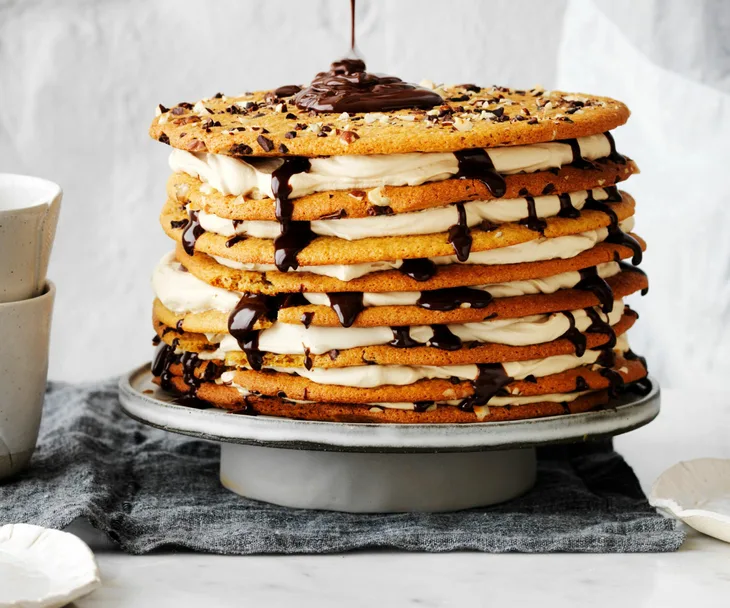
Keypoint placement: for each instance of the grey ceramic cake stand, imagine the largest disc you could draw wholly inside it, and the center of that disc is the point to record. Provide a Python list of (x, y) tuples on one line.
[(374, 468)]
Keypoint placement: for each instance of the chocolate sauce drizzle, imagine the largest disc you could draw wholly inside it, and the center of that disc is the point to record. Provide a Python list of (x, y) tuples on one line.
[(476, 164), (615, 381), (629, 268), (576, 338), (250, 308), (460, 235), (591, 281), (235, 239), (599, 326), (581, 384), (630, 355), (614, 156), (294, 236), (402, 338), (164, 358), (348, 87), (452, 298), (578, 161), (615, 234), (532, 221), (347, 305), (193, 231), (444, 338), (566, 207), (421, 269), (490, 382)]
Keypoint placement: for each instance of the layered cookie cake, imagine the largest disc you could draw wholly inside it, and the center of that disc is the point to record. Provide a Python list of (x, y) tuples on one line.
[(367, 250)]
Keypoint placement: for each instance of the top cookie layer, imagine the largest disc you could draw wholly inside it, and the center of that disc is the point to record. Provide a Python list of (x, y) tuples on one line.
[(262, 124)]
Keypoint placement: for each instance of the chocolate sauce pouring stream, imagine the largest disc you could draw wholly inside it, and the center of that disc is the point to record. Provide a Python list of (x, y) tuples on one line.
[(348, 87), (352, 25)]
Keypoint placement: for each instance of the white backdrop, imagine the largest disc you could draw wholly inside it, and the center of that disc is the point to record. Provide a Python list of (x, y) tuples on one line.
[(79, 81)]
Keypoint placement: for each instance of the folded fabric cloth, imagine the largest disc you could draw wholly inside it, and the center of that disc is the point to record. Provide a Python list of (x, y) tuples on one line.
[(149, 489)]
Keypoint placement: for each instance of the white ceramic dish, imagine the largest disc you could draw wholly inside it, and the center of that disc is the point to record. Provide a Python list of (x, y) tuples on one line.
[(376, 468), (698, 493), (42, 568)]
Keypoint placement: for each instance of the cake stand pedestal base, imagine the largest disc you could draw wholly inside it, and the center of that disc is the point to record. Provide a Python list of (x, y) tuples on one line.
[(366, 482)]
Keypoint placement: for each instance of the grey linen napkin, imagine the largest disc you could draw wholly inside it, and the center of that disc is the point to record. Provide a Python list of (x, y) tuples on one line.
[(148, 489)]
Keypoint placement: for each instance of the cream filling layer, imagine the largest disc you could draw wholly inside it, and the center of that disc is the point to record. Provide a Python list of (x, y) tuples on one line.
[(252, 177), (428, 221), (182, 292), (542, 248), (371, 376), (295, 339)]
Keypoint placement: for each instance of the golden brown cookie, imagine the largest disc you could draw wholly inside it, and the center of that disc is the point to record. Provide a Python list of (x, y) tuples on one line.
[(212, 321), (389, 355), (325, 250), (339, 204), (453, 275), (260, 124), (292, 386), (232, 401)]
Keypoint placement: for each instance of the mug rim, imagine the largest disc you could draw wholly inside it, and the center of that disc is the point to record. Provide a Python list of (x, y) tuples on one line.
[(49, 292), (54, 190)]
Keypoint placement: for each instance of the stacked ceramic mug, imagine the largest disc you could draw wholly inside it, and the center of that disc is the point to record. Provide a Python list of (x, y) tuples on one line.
[(29, 210), (464, 258)]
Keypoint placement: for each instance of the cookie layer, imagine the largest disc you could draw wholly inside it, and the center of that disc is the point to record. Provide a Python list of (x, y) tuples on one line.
[(298, 388), (186, 190), (471, 117), (213, 321), (231, 400), (389, 355), (207, 269), (329, 250)]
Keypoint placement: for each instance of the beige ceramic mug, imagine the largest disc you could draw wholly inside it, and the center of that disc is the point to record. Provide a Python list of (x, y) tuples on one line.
[(29, 208), (25, 328)]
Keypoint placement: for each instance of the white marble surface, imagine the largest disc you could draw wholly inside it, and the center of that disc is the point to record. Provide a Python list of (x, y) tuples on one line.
[(691, 425)]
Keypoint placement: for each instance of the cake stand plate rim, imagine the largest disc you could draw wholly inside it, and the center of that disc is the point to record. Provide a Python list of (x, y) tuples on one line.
[(217, 425)]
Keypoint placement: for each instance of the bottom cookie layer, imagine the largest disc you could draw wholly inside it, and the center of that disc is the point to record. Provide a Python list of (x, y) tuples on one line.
[(209, 394)]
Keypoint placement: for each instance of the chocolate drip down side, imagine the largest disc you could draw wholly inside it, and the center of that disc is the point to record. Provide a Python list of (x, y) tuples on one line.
[(615, 236), (420, 269), (444, 338), (566, 207), (574, 336), (490, 382), (591, 281), (453, 298), (460, 236), (192, 232), (599, 326), (476, 164), (532, 221), (294, 236), (347, 305)]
